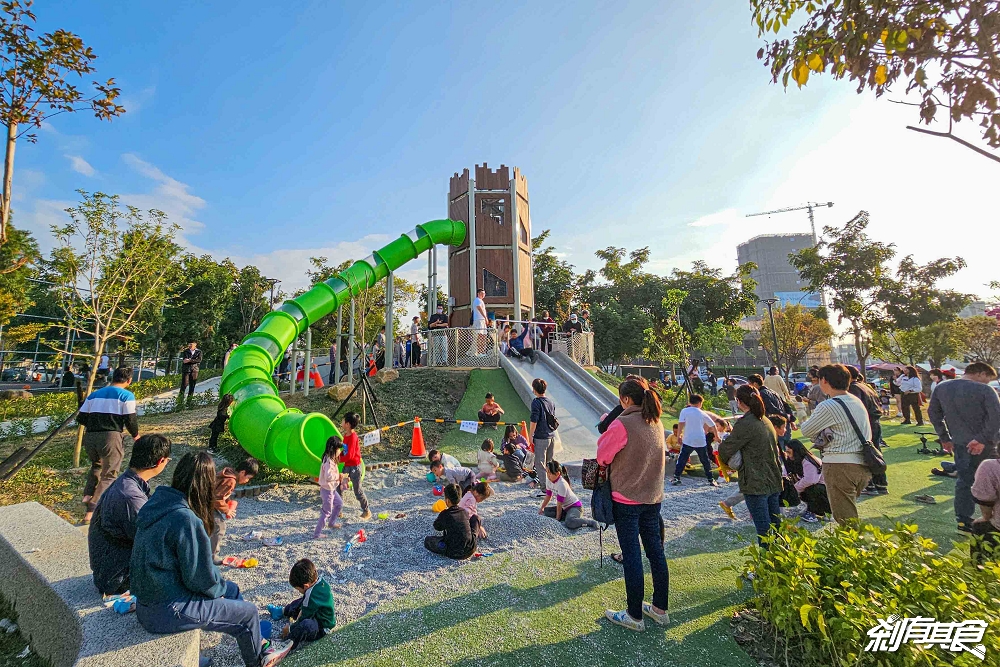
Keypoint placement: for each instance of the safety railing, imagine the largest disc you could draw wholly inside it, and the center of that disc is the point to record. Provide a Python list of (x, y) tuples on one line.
[(577, 346), (462, 348)]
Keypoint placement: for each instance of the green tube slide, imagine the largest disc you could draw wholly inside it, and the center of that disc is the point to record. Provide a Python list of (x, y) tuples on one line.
[(285, 437)]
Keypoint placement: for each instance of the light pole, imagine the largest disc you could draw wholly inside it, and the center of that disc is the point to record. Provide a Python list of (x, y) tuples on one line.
[(272, 282), (774, 332)]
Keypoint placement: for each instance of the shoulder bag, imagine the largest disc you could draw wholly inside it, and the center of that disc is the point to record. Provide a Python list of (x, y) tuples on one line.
[(873, 457)]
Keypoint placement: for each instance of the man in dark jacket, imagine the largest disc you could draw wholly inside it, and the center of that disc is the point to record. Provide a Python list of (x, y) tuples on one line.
[(773, 404), (112, 529), (190, 362)]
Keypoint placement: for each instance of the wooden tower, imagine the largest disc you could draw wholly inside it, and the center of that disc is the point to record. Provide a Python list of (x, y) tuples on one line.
[(496, 254)]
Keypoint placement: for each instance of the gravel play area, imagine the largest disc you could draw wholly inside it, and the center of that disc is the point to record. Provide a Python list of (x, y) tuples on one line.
[(393, 561)]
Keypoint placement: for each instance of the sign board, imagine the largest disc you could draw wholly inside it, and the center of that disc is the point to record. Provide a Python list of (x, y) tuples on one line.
[(804, 299), (373, 437), (469, 427)]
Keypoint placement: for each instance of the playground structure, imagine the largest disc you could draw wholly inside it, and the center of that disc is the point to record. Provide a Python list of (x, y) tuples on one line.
[(286, 437)]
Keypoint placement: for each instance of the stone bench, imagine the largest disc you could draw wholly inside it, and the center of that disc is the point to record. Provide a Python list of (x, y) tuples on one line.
[(46, 575)]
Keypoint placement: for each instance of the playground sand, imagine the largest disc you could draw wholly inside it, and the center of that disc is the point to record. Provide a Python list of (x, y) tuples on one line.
[(393, 561)]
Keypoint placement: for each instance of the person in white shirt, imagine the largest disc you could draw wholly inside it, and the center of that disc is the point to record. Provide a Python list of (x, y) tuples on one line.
[(479, 318), (693, 425), (844, 468), (911, 387)]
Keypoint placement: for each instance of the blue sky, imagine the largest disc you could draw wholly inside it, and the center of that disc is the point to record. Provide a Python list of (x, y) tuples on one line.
[(276, 131)]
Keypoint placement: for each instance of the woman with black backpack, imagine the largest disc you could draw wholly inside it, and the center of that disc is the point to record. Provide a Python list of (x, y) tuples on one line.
[(634, 444)]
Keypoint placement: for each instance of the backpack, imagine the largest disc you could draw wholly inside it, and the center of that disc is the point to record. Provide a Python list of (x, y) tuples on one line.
[(550, 418)]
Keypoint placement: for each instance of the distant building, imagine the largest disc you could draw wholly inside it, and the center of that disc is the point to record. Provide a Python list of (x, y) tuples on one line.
[(974, 309), (775, 276), (845, 353)]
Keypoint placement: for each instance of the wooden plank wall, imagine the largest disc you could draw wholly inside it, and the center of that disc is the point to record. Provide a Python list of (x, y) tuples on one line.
[(488, 230)]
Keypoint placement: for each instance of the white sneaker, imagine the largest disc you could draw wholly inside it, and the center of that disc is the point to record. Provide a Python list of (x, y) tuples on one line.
[(274, 655), (623, 619), (658, 618)]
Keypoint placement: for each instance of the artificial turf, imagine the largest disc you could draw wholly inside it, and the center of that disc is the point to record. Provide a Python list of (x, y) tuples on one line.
[(505, 611), (494, 380)]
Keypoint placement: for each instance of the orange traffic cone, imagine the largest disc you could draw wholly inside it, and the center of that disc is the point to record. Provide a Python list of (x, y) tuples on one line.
[(417, 449), (524, 432)]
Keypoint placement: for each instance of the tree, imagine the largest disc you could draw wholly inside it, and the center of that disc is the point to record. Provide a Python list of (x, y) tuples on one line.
[(901, 346), (979, 338), (867, 293), (15, 287), (668, 343), (943, 50), (114, 267), (714, 306), (34, 85), (799, 331), (942, 343), (556, 284), (249, 302), (197, 309)]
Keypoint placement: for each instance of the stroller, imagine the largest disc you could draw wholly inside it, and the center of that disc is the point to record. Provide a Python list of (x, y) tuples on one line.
[(517, 350)]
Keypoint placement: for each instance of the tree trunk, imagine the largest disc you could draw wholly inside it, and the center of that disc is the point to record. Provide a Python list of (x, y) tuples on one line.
[(8, 178), (91, 375)]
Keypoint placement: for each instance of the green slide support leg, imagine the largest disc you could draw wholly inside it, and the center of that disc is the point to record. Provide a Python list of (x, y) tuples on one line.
[(284, 437)]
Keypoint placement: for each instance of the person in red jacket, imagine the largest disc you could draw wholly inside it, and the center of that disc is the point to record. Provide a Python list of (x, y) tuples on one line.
[(352, 460)]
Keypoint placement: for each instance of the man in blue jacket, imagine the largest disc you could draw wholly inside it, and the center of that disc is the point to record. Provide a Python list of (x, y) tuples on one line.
[(112, 529), (105, 414)]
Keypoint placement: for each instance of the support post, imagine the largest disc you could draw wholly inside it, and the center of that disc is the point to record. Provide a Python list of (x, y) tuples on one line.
[(390, 323), (340, 344), (292, 370), (350, 345), (473, 283), (307, 363), (516, 248)]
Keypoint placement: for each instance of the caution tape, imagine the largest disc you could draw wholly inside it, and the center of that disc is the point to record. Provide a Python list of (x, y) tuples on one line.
[(439, 420)]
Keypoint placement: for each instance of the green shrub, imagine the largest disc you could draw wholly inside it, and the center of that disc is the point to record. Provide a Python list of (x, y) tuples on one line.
[(822, 592)]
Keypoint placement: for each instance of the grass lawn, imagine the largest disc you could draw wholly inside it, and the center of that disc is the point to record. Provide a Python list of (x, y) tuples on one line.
[(505, 611), (494, 380)]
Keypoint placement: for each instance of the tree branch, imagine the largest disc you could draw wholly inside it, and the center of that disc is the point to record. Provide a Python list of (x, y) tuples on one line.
[(949, 135)]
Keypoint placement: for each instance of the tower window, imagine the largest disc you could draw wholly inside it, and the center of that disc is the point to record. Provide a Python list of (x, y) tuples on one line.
[(493, 207), (524, 233), (493, 285)]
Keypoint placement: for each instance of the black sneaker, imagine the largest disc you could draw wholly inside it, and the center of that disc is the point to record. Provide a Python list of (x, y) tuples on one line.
[(676, 481), (712, 482), (965, 527), (882, 490), (870, 490)]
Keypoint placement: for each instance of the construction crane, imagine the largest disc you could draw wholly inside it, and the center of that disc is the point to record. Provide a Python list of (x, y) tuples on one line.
[(807, 207)]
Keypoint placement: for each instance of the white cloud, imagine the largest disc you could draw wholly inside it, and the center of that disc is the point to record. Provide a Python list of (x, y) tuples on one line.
[(169, 195), (80, 165), (727, 216)]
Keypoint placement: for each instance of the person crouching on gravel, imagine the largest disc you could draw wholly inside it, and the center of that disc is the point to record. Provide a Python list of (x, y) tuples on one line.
[(568, 507), (458, 541)]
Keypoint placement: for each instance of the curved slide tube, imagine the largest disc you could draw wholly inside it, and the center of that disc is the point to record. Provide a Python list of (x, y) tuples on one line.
[(285, 437)]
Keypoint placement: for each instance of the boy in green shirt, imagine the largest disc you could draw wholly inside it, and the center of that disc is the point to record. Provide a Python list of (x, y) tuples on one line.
[(312, 614)]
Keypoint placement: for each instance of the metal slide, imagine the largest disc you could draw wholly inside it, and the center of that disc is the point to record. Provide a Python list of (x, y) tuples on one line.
[(286, 437), (578, 410)]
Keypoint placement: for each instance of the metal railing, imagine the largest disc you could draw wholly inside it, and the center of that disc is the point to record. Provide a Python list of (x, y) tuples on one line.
[(462, 348), (577, 346)]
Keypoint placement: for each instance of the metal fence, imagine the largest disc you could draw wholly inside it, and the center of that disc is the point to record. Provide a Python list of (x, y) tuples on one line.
[(577, 346), (462, 348)]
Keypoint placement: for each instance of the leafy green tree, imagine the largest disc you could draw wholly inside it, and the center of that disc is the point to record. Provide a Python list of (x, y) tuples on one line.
[(944, 51), (867, 294), (556, 284), (714, 306), (979, 338), (197, 309), (35, 71), (902, 346), (799, 331), (15, 286), (943, 341), (667, 343), (248, 304)]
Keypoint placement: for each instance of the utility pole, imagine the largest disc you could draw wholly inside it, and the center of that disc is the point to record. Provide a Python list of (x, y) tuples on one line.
[(774, 332)]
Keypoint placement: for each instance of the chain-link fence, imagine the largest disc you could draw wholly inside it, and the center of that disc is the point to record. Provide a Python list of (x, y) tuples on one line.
[(577, 346), (462, 348)]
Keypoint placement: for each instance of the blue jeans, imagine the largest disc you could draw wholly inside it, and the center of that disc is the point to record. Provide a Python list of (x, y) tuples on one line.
[(228, 614), (966, 465), (766, 512), (685, 454), (304, 630), (634, 523)]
